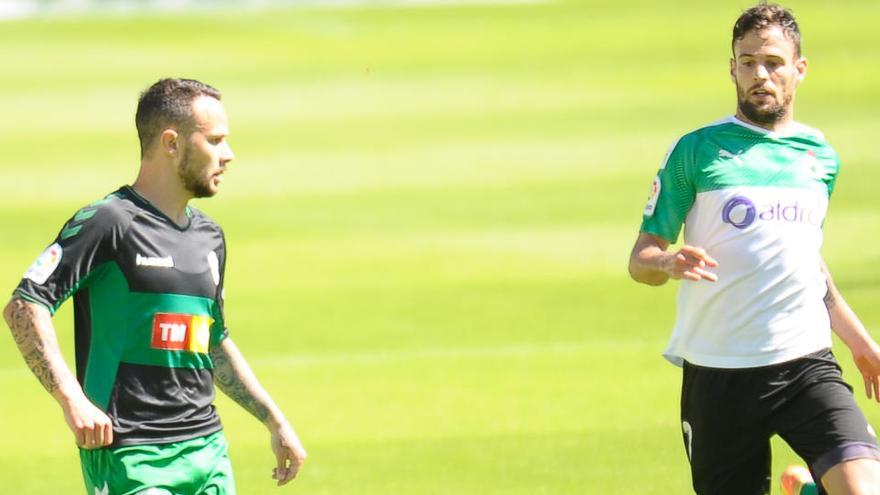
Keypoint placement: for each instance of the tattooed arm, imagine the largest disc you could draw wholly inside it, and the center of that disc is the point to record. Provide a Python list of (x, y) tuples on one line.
[(847, 326), (234, 377), (34, 334)]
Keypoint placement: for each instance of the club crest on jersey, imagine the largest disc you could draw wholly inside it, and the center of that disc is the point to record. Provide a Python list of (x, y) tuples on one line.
[(214, 265), (181, 332), (812, 165), (45, 264), (652, 199)]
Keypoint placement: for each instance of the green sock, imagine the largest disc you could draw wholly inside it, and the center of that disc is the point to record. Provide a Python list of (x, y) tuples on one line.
[(809, 489)]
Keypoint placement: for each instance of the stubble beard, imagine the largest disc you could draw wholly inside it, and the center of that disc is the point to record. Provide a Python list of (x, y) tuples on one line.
[(768, 115), (193, 182)]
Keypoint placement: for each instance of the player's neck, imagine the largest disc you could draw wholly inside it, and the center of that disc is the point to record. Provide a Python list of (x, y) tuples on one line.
[(170, 199), (781, 126)]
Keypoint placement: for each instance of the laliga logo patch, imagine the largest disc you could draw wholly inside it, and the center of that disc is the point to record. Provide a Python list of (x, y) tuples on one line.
[(181, 332), (652, 199), (45, 264), (739, 212)]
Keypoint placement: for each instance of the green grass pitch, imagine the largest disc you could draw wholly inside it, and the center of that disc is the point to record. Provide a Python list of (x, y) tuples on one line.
[(429, 219)]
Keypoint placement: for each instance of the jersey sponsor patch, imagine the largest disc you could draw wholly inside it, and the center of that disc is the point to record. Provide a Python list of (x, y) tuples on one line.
[(652, 200), (45, 264), (181, 332), (154, 261)]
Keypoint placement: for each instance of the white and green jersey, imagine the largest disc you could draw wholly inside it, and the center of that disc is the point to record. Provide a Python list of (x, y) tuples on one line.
[(755, 200)]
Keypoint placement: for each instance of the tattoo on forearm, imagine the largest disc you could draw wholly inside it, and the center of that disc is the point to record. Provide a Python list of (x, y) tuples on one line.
[(229, 381), (35, 348)]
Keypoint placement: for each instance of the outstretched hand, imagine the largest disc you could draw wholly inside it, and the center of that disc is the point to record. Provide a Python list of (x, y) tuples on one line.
[(289, 454), (691, 263)]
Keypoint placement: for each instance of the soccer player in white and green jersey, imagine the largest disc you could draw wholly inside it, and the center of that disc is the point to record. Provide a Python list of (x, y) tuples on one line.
[(757, 304)]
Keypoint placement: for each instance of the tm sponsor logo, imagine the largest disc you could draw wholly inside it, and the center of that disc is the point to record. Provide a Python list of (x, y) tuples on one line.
[(181, 332)]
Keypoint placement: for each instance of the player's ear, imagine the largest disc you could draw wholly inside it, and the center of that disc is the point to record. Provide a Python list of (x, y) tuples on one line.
[(800, 66), (733, 70), (169, 142)]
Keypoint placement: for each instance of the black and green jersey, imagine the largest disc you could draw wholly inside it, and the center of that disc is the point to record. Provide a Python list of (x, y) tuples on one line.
[(148, 307)]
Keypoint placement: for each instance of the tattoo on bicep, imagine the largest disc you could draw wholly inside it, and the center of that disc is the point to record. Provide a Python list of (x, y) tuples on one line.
[(829, 298), (35, 349), (231, 384)]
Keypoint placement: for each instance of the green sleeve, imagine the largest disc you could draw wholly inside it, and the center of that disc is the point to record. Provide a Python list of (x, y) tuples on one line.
[(831, 178), (672, 194)]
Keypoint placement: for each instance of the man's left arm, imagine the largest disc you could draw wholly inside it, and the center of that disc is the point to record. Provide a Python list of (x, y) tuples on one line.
[(236, 379), (847, 326)]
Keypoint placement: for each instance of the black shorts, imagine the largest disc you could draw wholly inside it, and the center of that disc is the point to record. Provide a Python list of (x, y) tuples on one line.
[(729, 415)]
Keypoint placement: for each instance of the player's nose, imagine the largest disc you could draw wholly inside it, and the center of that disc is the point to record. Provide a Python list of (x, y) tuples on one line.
[(227, 155), (761, 72)]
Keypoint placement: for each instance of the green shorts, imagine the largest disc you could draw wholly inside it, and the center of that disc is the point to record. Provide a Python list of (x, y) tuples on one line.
[(199, 466)]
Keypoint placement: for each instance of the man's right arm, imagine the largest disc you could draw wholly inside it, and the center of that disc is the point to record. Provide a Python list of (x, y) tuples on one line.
[(34, 334), (650, 263)]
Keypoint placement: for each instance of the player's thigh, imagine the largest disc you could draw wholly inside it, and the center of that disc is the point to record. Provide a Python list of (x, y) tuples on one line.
[(824, 425), (220, 480), (214, 457), (123, 472), (727, 442), (747, 473)]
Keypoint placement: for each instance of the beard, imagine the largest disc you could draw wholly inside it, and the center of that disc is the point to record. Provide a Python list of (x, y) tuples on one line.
[(767, 115), (198, 185)]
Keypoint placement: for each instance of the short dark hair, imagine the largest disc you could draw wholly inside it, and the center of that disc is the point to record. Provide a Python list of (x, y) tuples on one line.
[(168, 102), (763, 16)]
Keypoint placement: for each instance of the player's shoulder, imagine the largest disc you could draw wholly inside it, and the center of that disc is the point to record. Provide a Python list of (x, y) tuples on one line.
[(803, 130), (695, 137), (812, 138), (722, 127), (201, 220), (110, 212), (687, 145)]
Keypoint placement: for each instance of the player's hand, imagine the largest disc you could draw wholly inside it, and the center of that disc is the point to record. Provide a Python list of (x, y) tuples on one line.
[(289, 454), (691, 263), (92, 428), (867, 359)]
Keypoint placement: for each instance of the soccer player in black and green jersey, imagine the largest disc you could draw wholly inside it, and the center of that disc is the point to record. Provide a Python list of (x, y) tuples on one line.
[(146, 274)]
